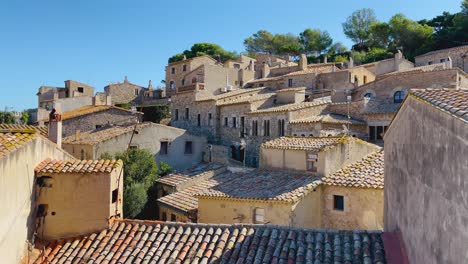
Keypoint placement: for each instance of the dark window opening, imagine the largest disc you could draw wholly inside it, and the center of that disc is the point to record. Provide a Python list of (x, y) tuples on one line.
[(164, 216), (380, 132), (234, 124), (176, 114), (45, 181), (186, 114), (210, 117), (266, 128), (188, 147), (372, 133), (115, 195), (368, 95), (242, 126), (172, 70), (184, 67), (199, 120), (225, 121), (171, 84), (365, 79), (163, 148), (398, 97), (183, 82), (80, 90), (254, 128), (194, 79), (133, 147), (136, 91), (173, 218), (290, 82), (42, 210), (338, 202), (281, 127), (98, 126)]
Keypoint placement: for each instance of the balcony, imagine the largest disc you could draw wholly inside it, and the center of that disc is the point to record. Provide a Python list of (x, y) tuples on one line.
[(192, 87)]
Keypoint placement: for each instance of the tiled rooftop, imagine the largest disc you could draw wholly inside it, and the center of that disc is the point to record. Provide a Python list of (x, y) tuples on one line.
[(99, 135), (279, 185), (365, 173), (10, 141), (245, 99), (77, 166), (379, 106), (454, 49), (287, 107), (319, 68), (43, 130), (133, 241), (89, 110), (328, 118), (302, 143), (293, 89), (452, 101), (238, 92), (185, 200), (177, 178)]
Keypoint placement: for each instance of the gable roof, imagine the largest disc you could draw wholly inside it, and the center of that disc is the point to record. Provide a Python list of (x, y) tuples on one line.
[(452, 101), (365, 173), (329, 118), (288, 107), (459, 48), (266, 185), (50, 166), (100, 135), (177, 178), (90, 109), (43, 130), (11, 140), (314, 68), (134, 241), (302, 143)]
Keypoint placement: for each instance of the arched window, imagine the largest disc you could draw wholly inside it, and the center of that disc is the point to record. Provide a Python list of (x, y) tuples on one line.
[(183, 82), (171, 84), (194, 79), (368, 95), (398, 97)]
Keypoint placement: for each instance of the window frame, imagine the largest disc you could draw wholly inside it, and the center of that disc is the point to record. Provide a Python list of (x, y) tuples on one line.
[(338, 203), (188, 151), (166, 147), (398, 97)]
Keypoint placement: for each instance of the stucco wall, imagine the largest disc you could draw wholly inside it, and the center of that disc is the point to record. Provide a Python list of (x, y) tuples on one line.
[(363, 208), (241, 211), (426, 183), (16, 190), (79, 203), (307, 213)]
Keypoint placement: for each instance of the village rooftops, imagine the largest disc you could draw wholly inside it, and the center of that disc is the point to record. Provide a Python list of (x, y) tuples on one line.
[(43, 130), (50, 166), (13, 139), (365, 173), (303, 143), (85, 110), (198, 171), (278, 186), (135, 241), (454, 49), (100, 135), (191, 59), (452, 101), (328, 119), (246, 99), (315, 68), (288, 107), (239, 92)]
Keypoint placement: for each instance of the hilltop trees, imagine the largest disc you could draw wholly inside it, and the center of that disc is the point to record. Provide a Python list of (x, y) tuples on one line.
[(357, 26), (199, 49)]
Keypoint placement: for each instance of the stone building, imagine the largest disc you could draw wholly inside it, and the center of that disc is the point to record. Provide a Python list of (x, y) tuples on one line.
[(457, 55), (21, 149), (396, 64), (172, 145), (426, 147), (129, 93), (88, 118), (94, 188)]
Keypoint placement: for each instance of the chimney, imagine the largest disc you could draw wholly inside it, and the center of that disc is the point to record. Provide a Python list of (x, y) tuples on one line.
[(126, 79), (303, 62), (351, 63), (150, 85), (185, 57), (265, 70), (325, 60), (448, 63), (55, 127)]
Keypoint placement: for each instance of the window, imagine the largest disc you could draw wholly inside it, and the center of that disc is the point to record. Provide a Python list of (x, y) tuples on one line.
[(173, 218), (254, 128), (133, 147), (164, 216), (186, 114), (398, 97), (194, 79), (184, 67), (115, 195), (372, 133), (281, 127), (236, 66), (368, 95), (172, 70), (266, 128), (42, 210), (163, 148), (290, 84), (171, 84), (259, 216), (210, 118), (188, 147), (80, 90), (82, 154), (380, 131), (176, 115), (136, 91), (365, 79), (442, 60), (260, 85), (234, 124), (429, 63), (311, 160), (98, 126), (225, 121), (338, 202), (45, 181), (183, 82), (198, 120), (242, 126), (356, 80)]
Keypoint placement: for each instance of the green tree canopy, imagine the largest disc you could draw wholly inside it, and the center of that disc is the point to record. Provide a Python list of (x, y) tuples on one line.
[(200, 49), (408, 34), (380, 35), (337, 48), (315, 41), (260, 42), (286, 44), (357, 26)]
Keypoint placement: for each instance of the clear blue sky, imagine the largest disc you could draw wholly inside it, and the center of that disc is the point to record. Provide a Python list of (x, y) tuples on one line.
[(99, 41)]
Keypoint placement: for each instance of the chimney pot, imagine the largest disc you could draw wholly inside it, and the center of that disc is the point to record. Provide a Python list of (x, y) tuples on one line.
[(55, 127)]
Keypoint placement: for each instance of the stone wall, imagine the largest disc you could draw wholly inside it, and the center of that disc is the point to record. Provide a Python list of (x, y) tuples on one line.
[(124, 93), (363, 208), (90, 121), (425, 183), (456, 54), (179, 74), (316, 129), (17, 223)]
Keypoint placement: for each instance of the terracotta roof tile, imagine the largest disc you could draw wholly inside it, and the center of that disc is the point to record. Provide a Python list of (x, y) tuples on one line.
[(302, 143), (365, 173), (90, 109), (11, 141), (329, 119), (246, 99), (77, 166), (288, 107), (43, 130), (177, 178), (319, 68), (454, 49), (284, 186), (133, 241), (452, 101), (100, 135)]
